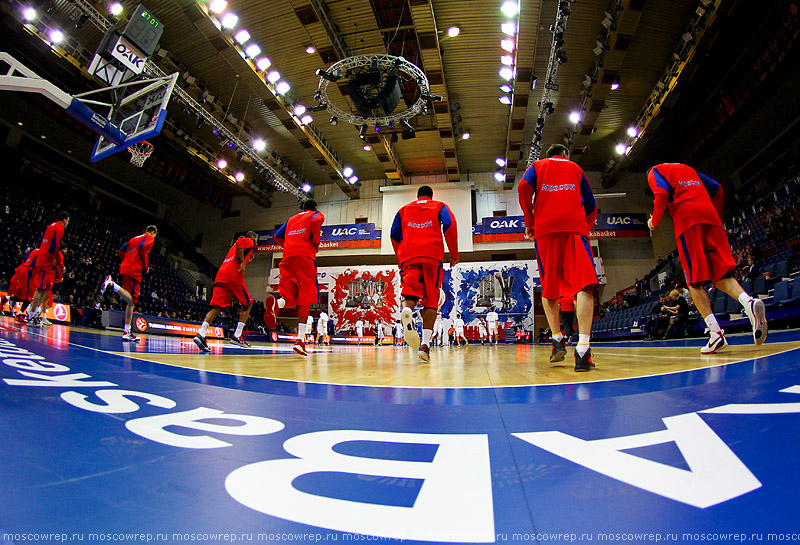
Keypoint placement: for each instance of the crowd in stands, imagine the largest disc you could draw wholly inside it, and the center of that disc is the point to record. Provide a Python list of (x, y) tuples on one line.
[(96, 231)]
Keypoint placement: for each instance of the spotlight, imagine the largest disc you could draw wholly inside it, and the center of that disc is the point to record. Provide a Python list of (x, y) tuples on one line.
[(505, 99), (362, 132), (587, 81), (352, 180), (632, 132), (608, 20), (273, 76), (282, 88), (56, 37), (509, 29), (299, 110), (229, 20), (500, 176), (564, 9), (115, 8), (377, 127), (259, 144), (239, 176), (217, 6), (432, 98), (500, 162), (334, 120), (620, 149), (242, 36), (81, 21), (311, 49), (317, 95), (319, 107), (507, 73), (509, 8), (508, 60), (407, 127), (615, 86), (222, 163), (306, 188), (507, 44), (453, 31), (574, 117), (330, 76), (263, 63), (253, 51), (465, 135), (198, 122), (306, 119), (29, 14), (506, 88), (347, 172), (561, 56)]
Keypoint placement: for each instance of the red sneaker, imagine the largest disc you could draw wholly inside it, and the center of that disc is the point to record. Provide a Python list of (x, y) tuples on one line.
[(271, 312), (300, 348)]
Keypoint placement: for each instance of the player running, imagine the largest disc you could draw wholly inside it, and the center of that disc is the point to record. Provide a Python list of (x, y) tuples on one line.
[(560, 220), (228, 285), (300, 238), (417, 236), (695, 203), (43, 272), (135, 263)]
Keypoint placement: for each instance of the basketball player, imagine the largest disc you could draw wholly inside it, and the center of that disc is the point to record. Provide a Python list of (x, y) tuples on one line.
[(417, 236), (44, 270), (309, 328), (22, 288), (359, 330), (482, 331), (378, 333), (438, 330), (695, 203), (322, 328), (135, 263), (491, 322), (567, 305), (399, 334), (300, 238), (458, 324), (559, 221), (228, 285)]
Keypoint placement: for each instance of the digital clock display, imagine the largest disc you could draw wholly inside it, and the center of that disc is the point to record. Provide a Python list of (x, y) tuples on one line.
[(150, 19)]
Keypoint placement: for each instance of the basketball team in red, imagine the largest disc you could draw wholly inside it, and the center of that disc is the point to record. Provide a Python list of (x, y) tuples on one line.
[(559, 210)]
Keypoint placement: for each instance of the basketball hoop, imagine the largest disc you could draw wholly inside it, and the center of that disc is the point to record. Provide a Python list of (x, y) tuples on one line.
[(140, 152)]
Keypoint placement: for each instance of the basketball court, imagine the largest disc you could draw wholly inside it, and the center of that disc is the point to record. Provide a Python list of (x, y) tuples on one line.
[(112, 441)]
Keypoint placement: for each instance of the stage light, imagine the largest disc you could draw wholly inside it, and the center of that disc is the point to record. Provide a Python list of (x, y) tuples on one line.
[(508, 60), (263, 63), (311, 49), (347, 172), (299, 110), (632, 132), (282, 88), (334, 120), (259, 144), (229, 20), (509, 8), (561, 56), (507, 44), (377, 127), (509, 28), (273, 76), (115, 8), (330, 76), (506, 88), (620, 149), (534, 81), (352, 180), (253, 51), (614, 86), (29, 14), (306, 119), (505, 99), (465, 135), (306, 188), (322, 106), (242, 36), (217, 6), (408, 130), (574, 117), (239, 176), (453, 31), (507, 73), (500, 162), (367, 147), (56, 37), (222, 163), (500, 176), (362, 132)]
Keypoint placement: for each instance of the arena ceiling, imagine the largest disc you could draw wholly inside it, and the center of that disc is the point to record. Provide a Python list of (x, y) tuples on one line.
[(653, 49)]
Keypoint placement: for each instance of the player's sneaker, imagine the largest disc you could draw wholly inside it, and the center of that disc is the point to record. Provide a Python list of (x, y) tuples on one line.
[(106, 283), (20, 318), (239, 341), (716, 342), (758, 319), (300, 347), (271, 312), (201, 343), (130, 337), (410, 334), (46, 322), (559, 351), (424, 353), (35, 322), (583, 363)]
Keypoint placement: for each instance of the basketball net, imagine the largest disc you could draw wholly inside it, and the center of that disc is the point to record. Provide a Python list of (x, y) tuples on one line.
[(140, 152)]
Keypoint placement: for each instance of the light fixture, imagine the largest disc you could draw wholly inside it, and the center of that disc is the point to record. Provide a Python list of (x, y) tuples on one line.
[(505, 99), (632, 132), (273, 76), (500, 162), (352, 180), (377, 127), (334, 120), (506, 88), (299, 110), (306, 188), (507, 44), (561, 56), (306, 119), (608, 20), (362, 132), (239, 176), (367, 147), (330, 76), (282, 88), (509, 28), (263, 63), (347, 172), (311, 49), (620, 149), (507, 73), (56, 37), (615, 86), (574, 117), (242, 36), (319, 107), (500, 176), (229, 20), (510, 8), (508, 60), (453, 31), (29, 14), (115, 8), (217, 6), (221, 164), (465, 135), (253, 51), (259, 144)]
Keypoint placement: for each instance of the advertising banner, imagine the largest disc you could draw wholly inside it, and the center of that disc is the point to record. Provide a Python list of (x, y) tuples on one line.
[(354, 235), (54, 313), (512, 228), (166, 326)]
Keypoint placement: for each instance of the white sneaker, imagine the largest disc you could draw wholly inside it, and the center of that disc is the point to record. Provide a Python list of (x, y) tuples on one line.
[(45, 321), (758, 319), (106, 283), (409, 328), (716, 342), (130, 337)]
